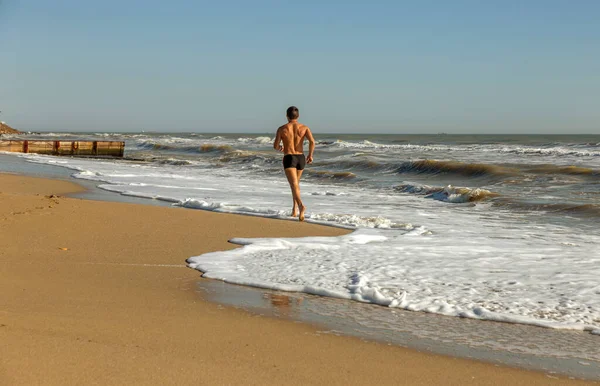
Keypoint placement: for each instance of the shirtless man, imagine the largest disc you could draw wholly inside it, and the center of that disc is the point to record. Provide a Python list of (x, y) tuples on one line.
[(290, 140)]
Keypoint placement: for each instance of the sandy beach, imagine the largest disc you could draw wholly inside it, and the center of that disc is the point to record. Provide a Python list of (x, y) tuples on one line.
[(98, 293)]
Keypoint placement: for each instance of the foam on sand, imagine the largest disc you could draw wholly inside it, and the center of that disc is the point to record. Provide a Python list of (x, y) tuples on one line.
[(418, 274)]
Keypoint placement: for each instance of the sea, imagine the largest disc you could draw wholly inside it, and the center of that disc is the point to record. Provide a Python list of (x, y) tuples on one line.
[(485, 227)]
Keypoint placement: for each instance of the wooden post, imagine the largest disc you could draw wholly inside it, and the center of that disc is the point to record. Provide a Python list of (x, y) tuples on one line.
[(56, 147), (95, 148), (25, 146)]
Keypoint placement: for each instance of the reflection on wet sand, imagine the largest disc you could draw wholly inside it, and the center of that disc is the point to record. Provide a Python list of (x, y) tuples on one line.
[(283, 303), (563, 352)]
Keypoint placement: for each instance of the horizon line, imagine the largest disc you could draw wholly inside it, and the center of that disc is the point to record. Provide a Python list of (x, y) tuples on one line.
[(273, 131)]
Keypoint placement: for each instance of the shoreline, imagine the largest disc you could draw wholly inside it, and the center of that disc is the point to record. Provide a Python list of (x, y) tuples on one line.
[(185, 307), (478, 340)]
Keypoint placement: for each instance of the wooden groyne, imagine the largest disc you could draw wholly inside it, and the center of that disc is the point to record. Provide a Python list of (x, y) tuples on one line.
[(72, 148)]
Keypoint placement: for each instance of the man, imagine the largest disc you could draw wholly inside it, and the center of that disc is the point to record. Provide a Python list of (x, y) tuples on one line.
[(290, 140)]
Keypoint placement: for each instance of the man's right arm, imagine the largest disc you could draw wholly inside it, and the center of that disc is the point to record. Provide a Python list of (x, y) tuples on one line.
[(311, 145)]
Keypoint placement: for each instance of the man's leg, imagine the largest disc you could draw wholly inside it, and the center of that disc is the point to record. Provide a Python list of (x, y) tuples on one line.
[(295, 207), (302, 207), (292, 178)]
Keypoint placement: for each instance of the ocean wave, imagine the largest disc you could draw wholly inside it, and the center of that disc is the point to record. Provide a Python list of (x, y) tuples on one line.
[(153, 145), (569, 209), (350, 221), (256, 140), (228, 208), (173, 161), (449, 193), (454, 167), (53, 134), (551, 151), (354, 221), (365, 144), (357, 162), (576, 150), (328, 193), (330, 174), (206, 148), (246, 156), (150, 158), (184, 148), (363, 162), (218, 154), (555, 169), (591, 210), (110, 135)]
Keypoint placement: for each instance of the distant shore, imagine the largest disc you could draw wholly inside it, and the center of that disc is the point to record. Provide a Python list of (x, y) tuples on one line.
[(6, 129), (98, 292)]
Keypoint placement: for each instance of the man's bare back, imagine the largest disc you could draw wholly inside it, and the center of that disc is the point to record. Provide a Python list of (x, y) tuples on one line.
[(291, 138), (290, 141)]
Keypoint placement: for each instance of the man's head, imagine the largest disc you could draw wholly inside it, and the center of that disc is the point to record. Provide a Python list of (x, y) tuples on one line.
[(292, 113)]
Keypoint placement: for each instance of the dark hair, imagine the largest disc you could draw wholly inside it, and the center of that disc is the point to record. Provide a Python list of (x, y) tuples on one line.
[(292, 112)]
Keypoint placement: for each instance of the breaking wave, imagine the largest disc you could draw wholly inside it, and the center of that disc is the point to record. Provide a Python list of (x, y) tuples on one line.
[(200, 148), (465, 169), (553, 151), (576, 150), (256, 141), (372, 145), (449, 193), (215, 148), (330, 174)]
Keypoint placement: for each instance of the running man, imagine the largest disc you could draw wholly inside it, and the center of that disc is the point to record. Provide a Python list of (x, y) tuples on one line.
[(290, 140)]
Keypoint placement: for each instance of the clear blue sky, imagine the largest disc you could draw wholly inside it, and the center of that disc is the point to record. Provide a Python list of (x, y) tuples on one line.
[(381, 66)]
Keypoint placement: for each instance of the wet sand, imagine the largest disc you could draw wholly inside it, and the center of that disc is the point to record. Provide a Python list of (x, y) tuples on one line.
[(97, 292)]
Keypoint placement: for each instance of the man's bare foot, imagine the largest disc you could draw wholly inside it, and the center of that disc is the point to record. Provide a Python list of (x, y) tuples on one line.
[(294, 213), (302, 209)]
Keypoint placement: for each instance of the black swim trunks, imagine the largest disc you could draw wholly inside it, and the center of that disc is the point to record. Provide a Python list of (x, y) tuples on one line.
[(297, 161)]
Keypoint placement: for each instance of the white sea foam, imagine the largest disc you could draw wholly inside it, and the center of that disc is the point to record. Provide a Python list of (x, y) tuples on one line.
[(475, 277), (557, 150), (518, 149), (481, 153), (256, 140), (365, 144), (449, 193), (327, 193), (355, 221), (409, 252)]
